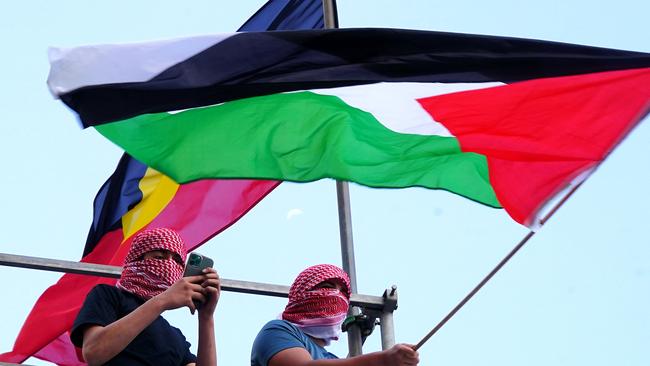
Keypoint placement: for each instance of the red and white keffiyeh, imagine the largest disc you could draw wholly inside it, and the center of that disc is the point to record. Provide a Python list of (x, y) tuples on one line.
[(147, 278), (319, 312)]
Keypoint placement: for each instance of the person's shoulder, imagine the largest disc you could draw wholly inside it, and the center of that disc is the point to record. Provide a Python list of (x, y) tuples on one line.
[(279, 329), (106, 293), (275, 336), (99, 308), (103, 287), (279, 324), (105, 290), (102, 290)]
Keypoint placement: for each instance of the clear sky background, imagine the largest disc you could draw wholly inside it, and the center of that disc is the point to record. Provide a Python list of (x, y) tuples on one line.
[(577, 294)]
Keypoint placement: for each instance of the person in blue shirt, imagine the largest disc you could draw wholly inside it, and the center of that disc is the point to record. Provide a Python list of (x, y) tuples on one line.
[(318, 303)]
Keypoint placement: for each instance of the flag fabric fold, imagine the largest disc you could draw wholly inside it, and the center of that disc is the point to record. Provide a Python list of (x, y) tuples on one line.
[(137, 197), (503, 121)]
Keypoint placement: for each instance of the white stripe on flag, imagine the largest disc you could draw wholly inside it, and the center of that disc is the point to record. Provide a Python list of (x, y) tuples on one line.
[(73, 68), (395, 104)]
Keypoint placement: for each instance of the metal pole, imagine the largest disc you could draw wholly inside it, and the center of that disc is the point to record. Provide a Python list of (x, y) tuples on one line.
[(345, 228), (373, 303), (387, 330), (330, 18), (386, 318), (345, 217), (355, 343)]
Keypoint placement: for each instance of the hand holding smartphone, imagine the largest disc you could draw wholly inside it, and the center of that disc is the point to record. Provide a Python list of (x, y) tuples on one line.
[(196, 263)]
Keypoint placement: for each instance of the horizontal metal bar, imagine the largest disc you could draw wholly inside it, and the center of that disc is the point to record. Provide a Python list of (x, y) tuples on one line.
[(102, 270), (57, 265)]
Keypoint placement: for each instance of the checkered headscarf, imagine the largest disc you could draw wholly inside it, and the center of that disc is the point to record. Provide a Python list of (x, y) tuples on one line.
[(314, 275), (318, 312), (147, 278)]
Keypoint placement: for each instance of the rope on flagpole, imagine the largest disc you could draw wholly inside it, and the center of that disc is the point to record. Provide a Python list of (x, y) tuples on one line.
[(496, 269)]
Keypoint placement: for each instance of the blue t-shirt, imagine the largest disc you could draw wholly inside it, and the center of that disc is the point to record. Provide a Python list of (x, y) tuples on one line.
[(157, 344), (278, 335)]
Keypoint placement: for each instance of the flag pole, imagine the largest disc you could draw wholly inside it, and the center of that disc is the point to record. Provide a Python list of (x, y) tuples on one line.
[(496, 269), (330, 19)]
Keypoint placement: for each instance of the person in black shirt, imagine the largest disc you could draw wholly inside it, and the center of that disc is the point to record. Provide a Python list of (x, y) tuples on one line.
[(122, 324)]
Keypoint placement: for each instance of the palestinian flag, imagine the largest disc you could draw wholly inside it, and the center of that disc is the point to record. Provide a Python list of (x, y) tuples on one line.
[(505, 122)]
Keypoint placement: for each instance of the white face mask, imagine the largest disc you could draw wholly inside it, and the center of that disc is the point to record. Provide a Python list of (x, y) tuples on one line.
[(327, 329)]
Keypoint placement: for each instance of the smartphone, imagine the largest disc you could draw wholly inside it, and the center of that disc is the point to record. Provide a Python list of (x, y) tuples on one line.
[(196, 263)]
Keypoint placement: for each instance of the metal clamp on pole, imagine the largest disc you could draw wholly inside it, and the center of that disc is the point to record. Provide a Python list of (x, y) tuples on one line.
[(369, 317), (364, 322)]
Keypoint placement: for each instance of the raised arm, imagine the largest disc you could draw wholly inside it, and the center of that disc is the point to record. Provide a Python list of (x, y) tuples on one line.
[(207, 350), (398, 355), (100, 344)]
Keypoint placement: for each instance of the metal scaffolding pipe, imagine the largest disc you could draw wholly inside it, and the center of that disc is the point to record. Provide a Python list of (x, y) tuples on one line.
[(387, 329), (102, 270), (386, 318), (330, 20)]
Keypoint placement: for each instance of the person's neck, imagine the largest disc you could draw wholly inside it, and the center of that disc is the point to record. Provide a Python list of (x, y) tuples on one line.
[(318, 341)]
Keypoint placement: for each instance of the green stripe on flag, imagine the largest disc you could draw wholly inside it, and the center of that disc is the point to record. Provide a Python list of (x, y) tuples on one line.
[(298, 137)]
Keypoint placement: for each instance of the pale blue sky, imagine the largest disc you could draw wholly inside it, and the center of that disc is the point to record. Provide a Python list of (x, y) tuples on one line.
[(578, 294)]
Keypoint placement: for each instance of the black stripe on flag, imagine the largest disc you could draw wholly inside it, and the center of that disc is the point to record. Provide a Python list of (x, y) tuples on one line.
[(261, 63)]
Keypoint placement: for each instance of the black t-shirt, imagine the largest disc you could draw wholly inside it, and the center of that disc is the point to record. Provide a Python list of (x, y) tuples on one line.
[(157, 344)]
